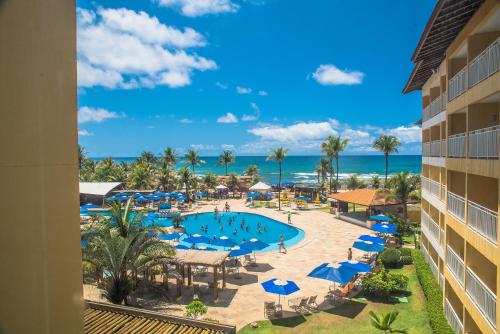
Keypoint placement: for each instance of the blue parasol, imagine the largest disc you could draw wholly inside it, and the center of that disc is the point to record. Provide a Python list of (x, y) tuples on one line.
[(384, 228), (280, 287), (382, 218), (197, 239), (372, 238), (170, 236), (334, 272), (368, 246), (357, 266)]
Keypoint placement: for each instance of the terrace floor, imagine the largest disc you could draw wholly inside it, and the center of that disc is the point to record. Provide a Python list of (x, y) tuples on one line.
[(242, 301)]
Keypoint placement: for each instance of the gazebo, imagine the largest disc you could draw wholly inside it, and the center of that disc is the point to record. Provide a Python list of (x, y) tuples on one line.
[(186, 259), (260, 187)]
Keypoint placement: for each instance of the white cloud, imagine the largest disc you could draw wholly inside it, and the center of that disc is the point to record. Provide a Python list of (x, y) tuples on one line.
[(255, 116), (229, 147), (303, 131), (221, 85), (121, 48), (262, 93), (202, 147), (243, 90), (331, 75), (194, 8), (96, 115), (84, 133), (186, 121), (228, 118), (407, 134)]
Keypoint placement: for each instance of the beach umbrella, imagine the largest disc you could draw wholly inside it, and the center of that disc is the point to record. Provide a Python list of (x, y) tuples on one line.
[(137, 195), (334, 272), (89, 206), (372, 238), (84, 243), (205, 248), (169, 236), (357, 266), (141, 199), (302, 198), (238, 251), (197, 239), (384, 228), (181, 247), (221, 187), (382, 218), (121, 194), (280, 287), (254, 244), (224, 241), (368, 246), (155, 198), (268, 195), (253, 195), (122, 198)]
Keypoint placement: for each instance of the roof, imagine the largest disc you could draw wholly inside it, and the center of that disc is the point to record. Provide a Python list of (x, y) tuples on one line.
[(100, 318), (366, 197), (260, 186), (97, 188), (201, 257), (447, 20)]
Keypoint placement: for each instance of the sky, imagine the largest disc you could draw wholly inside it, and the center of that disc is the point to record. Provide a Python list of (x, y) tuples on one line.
[(246, 75)]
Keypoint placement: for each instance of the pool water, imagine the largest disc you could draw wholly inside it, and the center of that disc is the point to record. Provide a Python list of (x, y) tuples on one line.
[(230, 224)]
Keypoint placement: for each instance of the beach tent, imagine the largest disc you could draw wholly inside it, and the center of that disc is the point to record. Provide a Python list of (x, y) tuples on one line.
[(260, 187), (221, 187)]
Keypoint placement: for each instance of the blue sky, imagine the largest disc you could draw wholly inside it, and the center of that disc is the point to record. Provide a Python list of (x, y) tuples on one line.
[(246, 75)]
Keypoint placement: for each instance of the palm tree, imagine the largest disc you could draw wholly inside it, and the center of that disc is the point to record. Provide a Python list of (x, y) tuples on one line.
[(192, 157), (87, 173), (185, 177), (253, 171), (105, 170), (177, 221), (148, 157), (169, 157), (141, 176), (328, 147), (339, 145), (233, 182), (375, 182), (385, 322), (402, 188), (226, 158), (353, 182), (82, 156), (325, 168), (387, 144), (209, 181), (318, 169), (166, 178), (278, 155)]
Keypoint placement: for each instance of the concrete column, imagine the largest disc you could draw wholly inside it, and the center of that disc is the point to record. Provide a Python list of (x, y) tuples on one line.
[(41, 280)]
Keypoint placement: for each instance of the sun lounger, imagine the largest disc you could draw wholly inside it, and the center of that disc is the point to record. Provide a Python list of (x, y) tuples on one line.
[(301, 307), (248, 259), (312, 304), (269, 309)]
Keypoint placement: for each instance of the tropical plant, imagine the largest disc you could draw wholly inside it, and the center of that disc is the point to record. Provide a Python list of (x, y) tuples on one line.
[(105, 170), (375, 182), (390, 258), (177, 221), (328, 147), (278, 155), (82, 156), (338, 145), (185, 177), (385, 322), (141, 176), (169, 157), (192, 157), (166, 178), (209, 181), (326, 168), (402, 189), (87, 173), (148, 157), (233, 183), (387, 144), (195, 309), (383, 283), (353, 182), (252, 171), (226, 158)]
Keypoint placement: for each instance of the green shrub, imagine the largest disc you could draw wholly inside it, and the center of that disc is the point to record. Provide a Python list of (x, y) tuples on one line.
[(406, 260), (405, 251), (390, 258), (384, 283), (433, 294), (195, 309)]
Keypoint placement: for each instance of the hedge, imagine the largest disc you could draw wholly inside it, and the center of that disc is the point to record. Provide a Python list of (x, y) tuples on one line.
[(433, 293)]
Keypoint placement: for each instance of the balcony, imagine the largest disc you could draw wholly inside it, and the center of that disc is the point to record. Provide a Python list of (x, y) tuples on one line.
[(444, 100), (482, 296), (430, 227), (483, 220), (455, 264), (436, 148), (485, 64), (426, 113), (456, 145), (453, 318), (426, 149), (458, 84), (456, 206), (484, 143)]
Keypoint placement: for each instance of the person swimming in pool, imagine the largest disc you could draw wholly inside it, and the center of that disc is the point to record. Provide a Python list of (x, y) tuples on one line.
[(247, 228), (235, 232), (265, 228)]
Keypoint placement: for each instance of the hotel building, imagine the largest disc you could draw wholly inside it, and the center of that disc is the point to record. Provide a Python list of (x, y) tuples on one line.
[(457, 63)]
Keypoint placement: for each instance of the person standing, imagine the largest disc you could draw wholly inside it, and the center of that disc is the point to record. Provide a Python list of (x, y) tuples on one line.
[(282, 244), (289, 217), (349, 254)]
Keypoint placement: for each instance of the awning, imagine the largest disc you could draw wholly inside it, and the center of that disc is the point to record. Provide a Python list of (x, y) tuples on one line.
[(366, 197), (98, 188), (260, 186)]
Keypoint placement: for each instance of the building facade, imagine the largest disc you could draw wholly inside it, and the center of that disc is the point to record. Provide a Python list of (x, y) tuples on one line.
[(457, 64)]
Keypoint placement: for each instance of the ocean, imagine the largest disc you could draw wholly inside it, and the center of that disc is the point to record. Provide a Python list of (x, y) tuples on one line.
[(301, 168)]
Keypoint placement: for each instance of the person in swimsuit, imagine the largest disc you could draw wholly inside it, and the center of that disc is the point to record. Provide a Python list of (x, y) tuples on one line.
[(282, 244)]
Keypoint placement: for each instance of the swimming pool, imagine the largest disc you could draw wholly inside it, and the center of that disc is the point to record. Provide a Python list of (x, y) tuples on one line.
[(231, 225)]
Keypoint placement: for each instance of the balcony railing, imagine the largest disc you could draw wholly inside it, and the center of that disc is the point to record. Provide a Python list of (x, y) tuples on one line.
[(441, 238), (453, 318), (426, 149), (483, 220), (456, 206), (443, 193), (434, 187), (485, 64), (484, 143), (434, 268), (426, 113), (456, 145), (444, 100), (436, 148), (430, 226), (455, 264), (482, 296), (458, 84), (441, 281), (435, 107), (443, 148)]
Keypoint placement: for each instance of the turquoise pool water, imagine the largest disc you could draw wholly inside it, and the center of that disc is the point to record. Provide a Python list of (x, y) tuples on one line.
[(231, 225)]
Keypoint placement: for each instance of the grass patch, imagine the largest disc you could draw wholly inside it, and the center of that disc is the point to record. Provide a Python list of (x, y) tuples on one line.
[(353, 317)]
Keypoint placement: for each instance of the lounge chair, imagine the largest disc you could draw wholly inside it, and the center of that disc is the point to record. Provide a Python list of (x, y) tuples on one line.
[(269, 309), (301, 307), (248, 259), (312, 304)]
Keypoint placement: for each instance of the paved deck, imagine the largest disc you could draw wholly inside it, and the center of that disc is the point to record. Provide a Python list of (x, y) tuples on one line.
[(242, 301)]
